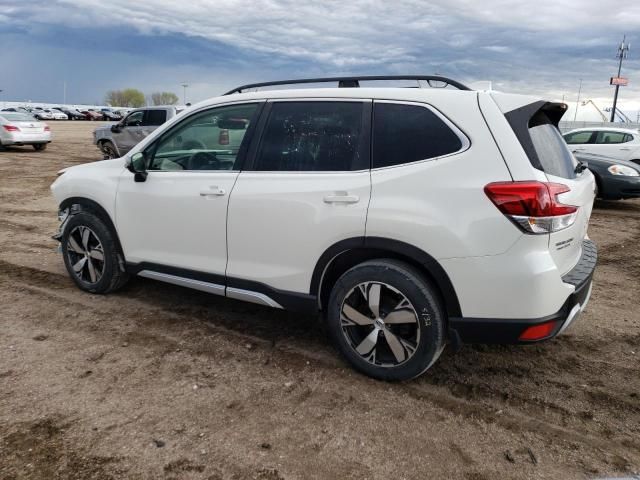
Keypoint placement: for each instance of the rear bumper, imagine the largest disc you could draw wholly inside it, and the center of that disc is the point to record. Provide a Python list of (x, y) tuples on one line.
[(508, 331)]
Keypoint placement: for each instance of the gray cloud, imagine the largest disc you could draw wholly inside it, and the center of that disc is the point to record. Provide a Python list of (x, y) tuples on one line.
[(539, 47)]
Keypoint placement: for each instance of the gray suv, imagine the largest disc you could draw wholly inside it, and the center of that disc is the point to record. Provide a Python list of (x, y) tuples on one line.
[(116, 140)]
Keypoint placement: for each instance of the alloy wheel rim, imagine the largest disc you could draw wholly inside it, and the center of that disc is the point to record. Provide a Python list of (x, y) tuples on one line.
[(380, 324), (85, 254)]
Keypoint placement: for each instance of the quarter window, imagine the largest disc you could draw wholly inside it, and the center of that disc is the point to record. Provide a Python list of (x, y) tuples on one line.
[(311, 136), (408, 133), (210, 140)]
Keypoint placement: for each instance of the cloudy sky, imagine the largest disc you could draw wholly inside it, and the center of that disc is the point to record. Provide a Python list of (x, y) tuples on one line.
[(541, 47)]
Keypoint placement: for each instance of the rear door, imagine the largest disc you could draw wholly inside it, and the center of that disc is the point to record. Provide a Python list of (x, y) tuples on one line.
[(307, 188)]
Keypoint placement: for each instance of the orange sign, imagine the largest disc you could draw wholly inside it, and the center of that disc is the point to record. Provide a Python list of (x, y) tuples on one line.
[(619, 81)]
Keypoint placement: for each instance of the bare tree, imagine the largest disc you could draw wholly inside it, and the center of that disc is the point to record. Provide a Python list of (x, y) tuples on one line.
[(164, 98)]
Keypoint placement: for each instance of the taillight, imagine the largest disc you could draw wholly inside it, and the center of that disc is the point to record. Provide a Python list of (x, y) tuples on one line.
[(11, 128), (47, 128), (533, 206), (223, 138)]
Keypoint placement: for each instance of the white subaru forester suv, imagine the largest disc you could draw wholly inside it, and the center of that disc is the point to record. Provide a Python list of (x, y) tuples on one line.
[(411, 217)]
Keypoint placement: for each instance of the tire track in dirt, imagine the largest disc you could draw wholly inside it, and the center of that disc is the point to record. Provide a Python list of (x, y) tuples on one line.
[(482, 408)]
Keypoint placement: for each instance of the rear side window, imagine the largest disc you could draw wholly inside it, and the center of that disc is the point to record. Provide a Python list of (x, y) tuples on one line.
[(408, 133), (311, 136), (535, 126), (154, 117), (552, 151), (578, 138)]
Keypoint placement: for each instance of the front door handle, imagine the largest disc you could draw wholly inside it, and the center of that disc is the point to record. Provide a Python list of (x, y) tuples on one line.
[(625, 148), (341, 197), (213, 191)]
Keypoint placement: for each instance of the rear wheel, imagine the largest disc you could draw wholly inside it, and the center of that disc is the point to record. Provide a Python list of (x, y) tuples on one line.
[(38, 147), (386, 320), (91, 254)]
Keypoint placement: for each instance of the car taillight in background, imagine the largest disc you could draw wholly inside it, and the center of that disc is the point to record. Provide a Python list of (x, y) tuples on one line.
[(223, 138), (47, 128), (533, 206), (11, 128)]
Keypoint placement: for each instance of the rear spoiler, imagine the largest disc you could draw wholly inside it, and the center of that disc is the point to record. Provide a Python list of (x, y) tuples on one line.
[(531, 115)]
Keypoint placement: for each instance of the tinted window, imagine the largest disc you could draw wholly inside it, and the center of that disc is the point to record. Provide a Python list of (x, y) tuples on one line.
[(578, 138), (154, 117), (135, 119), (407, 133), (552, 151), (311, 136), (209, 140), (611, 137)]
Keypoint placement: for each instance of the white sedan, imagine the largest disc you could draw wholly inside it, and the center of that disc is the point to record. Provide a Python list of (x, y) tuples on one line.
[(617, 143), (18, 128)]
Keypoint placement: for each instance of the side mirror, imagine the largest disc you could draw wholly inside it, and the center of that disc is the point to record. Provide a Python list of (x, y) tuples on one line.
[(117, 128), (137, 165)]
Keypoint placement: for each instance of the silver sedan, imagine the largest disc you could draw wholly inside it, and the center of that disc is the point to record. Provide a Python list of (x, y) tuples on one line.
[(17, 128)]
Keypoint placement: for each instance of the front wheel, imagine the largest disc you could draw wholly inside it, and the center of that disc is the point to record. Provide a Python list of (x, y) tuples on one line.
[(386, 320), (108, 150), (91, 254)]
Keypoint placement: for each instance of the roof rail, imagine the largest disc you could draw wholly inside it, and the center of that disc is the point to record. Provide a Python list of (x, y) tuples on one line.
[(353, 82)]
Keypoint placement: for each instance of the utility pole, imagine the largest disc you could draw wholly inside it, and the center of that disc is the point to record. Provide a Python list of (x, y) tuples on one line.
[(64, 92), (184, 92), (575, 114), (623, 48)]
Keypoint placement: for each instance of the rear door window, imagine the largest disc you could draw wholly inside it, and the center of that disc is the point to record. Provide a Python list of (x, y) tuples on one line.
[(408, 133), (153, 118), (311, 136), (606, 138)]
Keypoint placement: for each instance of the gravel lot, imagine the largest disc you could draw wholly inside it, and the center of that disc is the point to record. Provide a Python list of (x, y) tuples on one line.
[(157, 381)]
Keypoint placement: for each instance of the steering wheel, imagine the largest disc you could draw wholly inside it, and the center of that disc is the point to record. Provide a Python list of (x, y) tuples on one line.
[(203, 161)]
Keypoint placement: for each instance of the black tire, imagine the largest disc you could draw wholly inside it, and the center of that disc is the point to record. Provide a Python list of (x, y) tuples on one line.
[(109, 150), (111, 275), (398, 280), (38, 147)]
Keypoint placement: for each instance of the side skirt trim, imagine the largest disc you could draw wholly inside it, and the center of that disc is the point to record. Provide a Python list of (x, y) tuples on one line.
[(184, 282)]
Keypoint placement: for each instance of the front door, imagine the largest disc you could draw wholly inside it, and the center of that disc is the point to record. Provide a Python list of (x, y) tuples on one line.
[(307, 188), (177, 217), (130, 132)]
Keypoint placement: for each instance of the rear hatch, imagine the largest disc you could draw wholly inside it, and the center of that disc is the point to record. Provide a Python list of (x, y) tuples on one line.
[(536, 126)]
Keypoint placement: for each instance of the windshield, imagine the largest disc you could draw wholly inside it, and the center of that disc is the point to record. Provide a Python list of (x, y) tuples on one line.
[(18, 117)]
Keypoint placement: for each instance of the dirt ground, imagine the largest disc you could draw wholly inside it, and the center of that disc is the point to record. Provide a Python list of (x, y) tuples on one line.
[(157, 381)]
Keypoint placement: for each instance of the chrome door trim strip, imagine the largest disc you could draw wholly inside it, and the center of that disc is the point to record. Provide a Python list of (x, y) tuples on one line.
[(184, 282), (253, 297)]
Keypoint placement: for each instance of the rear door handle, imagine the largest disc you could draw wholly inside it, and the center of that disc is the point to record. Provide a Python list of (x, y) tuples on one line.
[(625, 148), (341, 197), (213, 191)]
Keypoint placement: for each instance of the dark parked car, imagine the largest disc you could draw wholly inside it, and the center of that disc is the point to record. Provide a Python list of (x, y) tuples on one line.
[(92, 114), (615, 179), (72, 114), (111, 115)]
